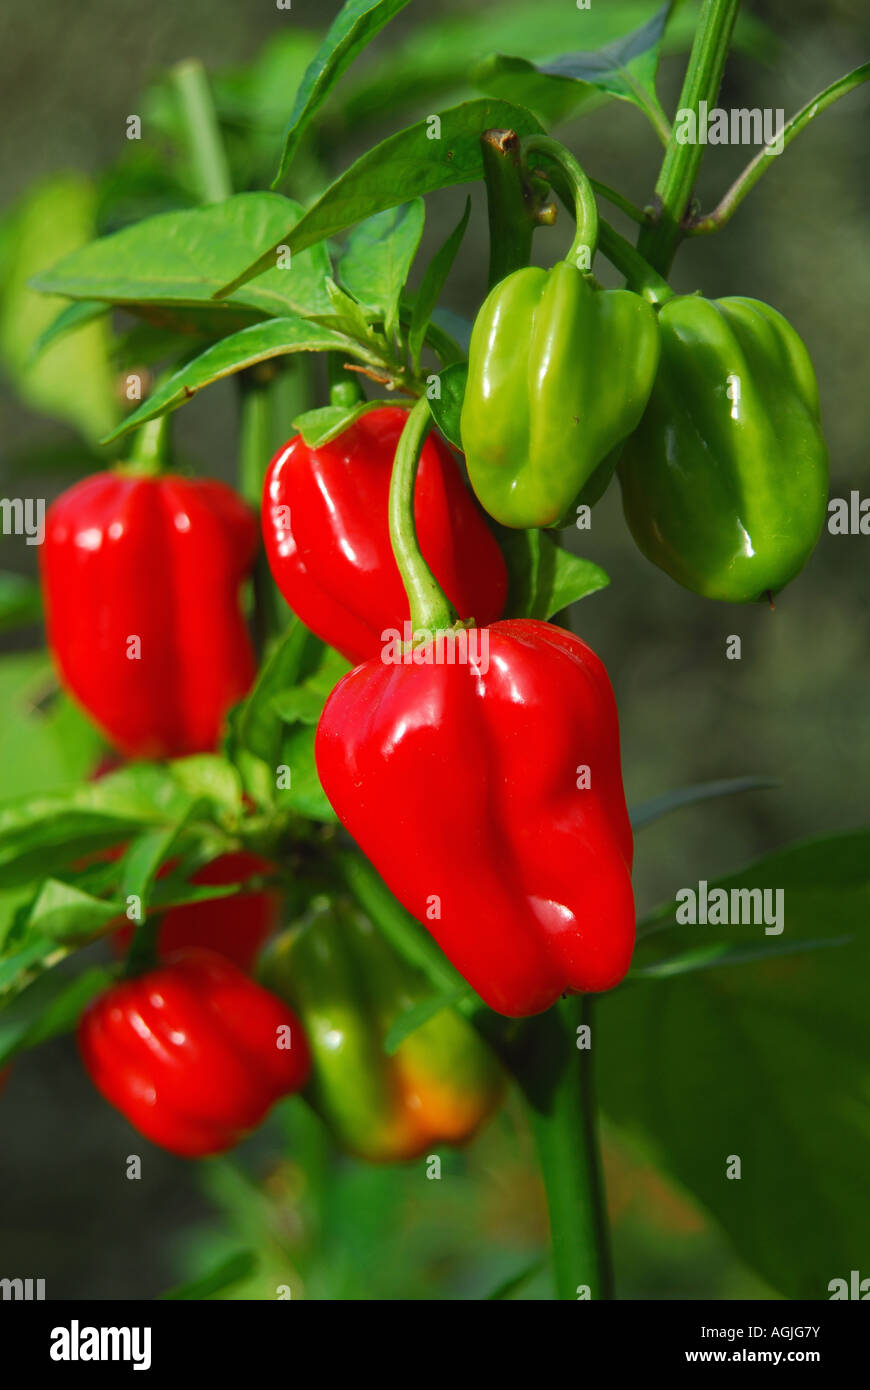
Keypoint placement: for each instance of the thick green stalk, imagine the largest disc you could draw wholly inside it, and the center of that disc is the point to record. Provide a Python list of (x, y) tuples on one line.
[(509, 205), (255, 450), (555, 1076), (658, 242), (204, 143), (430, 608), (149, 452)]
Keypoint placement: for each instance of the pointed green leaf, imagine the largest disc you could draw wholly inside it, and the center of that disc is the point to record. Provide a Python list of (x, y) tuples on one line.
[(543, 578), (355, 25), (183, 258), (258, 343), (414, 161), (378, 257), (431, 286), (658, 806)]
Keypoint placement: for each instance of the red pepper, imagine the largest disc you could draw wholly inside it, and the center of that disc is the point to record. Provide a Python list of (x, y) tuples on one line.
[(328, 543), (235, 927), (159, 559), (489, 797), (193, 1053)]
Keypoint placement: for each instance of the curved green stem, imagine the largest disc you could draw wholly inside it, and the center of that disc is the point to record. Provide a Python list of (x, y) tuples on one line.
[(638, 273), (728, 205), (430, 609), (585, 206), (658, 241)]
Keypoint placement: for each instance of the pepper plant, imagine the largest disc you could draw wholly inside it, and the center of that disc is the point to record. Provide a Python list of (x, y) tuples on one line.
[(443, 824)]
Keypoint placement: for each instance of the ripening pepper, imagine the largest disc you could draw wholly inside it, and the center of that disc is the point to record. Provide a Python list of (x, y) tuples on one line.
[(725, 482), (193, 1053), (488, 795), (235, 927), (158, 559), (348, 987), (325, 524), (558, 375)]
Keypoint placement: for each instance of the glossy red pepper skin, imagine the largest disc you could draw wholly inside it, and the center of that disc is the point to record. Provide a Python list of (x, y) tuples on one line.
[(461, 787), (161, 559), (236, 927), (326, 531), (189, 1053)]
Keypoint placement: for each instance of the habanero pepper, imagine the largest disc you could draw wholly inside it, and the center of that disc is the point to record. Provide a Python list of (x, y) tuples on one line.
[(725, 481), (159, 559), (349, 986), (559, 373), (327, 536), (488, 794), (193, 1053)]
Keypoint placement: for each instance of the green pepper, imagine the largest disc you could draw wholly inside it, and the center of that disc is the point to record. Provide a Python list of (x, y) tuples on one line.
[(349, 986), (559, 373), (724, 483)]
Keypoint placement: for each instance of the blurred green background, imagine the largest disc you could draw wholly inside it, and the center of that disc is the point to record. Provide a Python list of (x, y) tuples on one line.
[(793, 708)]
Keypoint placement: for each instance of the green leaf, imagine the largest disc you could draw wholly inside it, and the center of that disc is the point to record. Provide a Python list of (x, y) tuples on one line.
[(355, 25), (709, 957), (305, 795), (45, 833), (48, 1008), (553, 99), (209, 775), (147, 853), (64, 912), (446, 407), (406, 165), (69, 320), (72, 379), (20, 601), (233, 354), (378, 258), (256, 725), (408, 1022), (228, 1272), (625, 69), (328, 421), (657, 806), (345, 316), (302, 703), (542, 577), (431, 286), (769, 1061), (17, 967), (45, 743), (182, 258)]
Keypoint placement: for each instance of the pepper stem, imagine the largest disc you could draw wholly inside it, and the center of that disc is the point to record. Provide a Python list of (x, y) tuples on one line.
[(509, 206), (639, 274), (430, 608), (555, 1076), (150, 448), (582, 249)]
